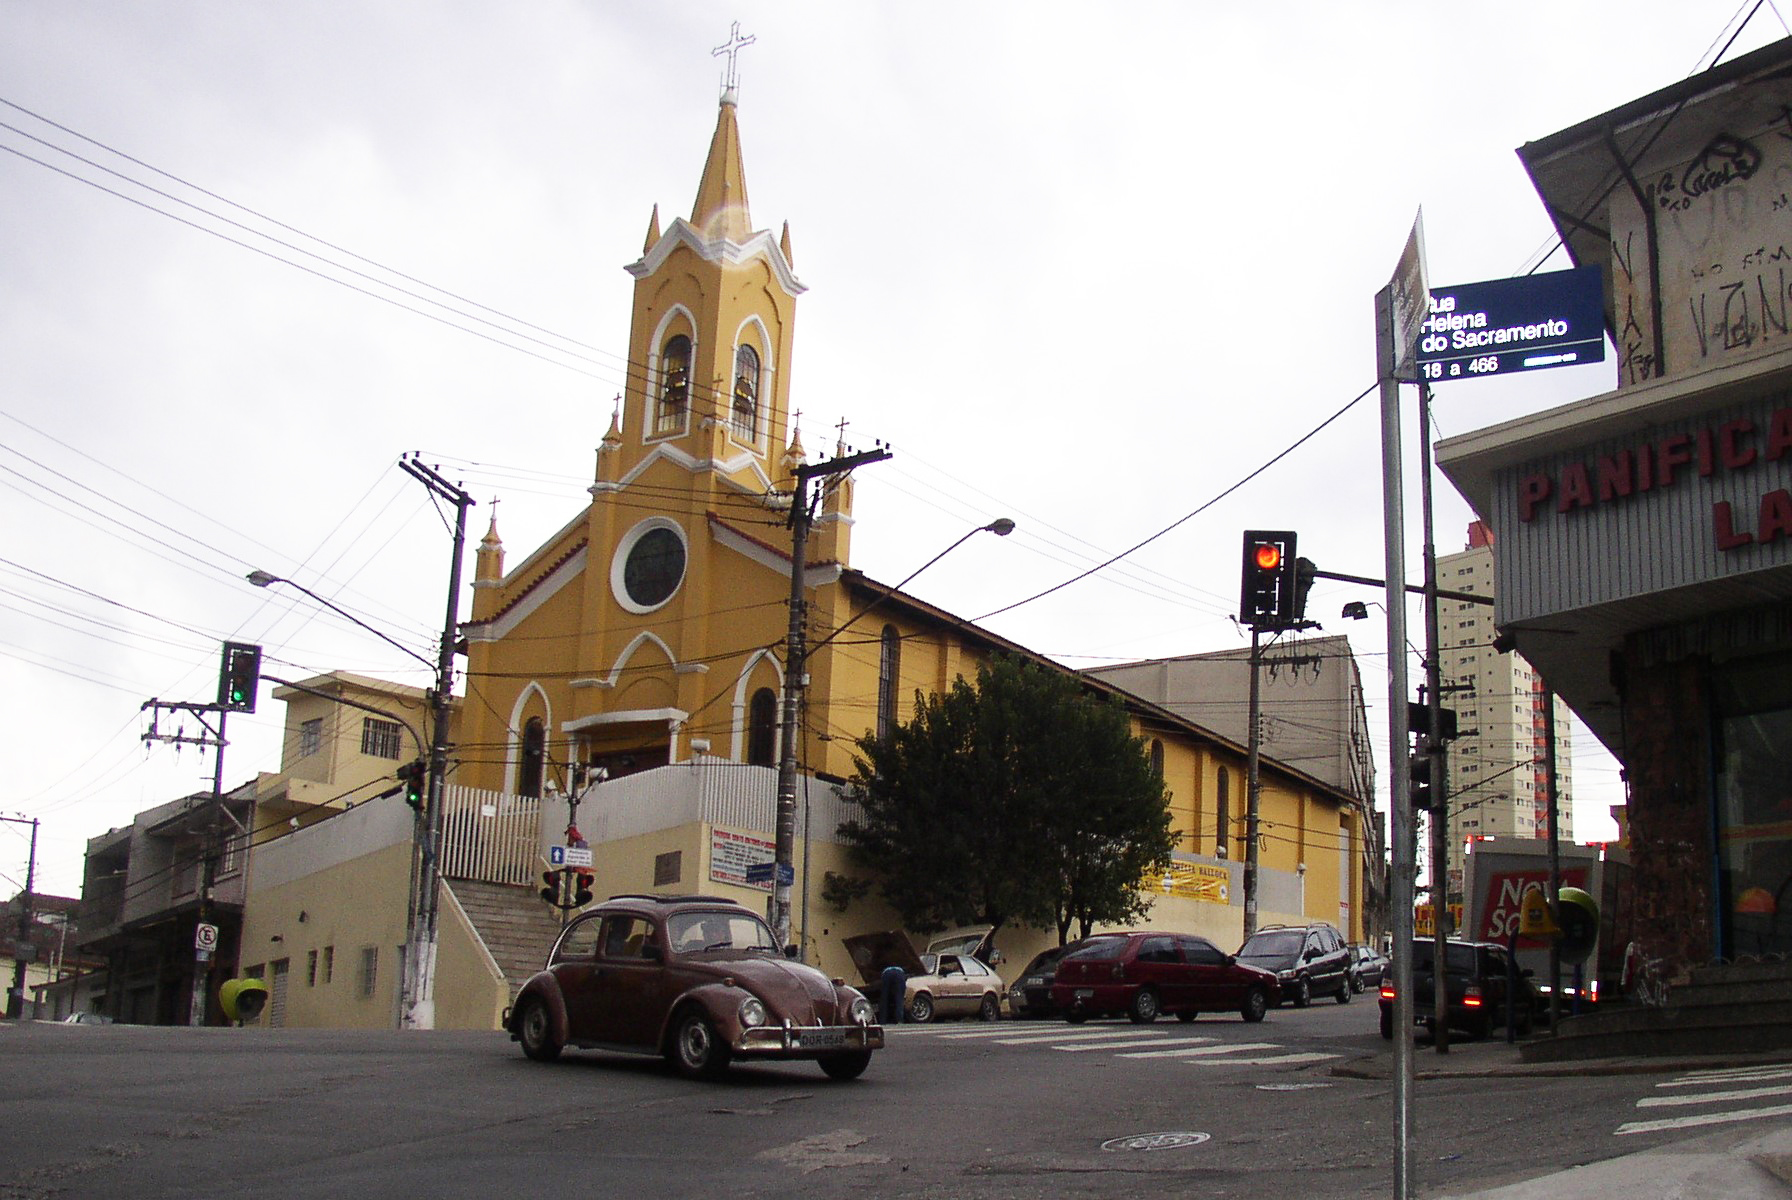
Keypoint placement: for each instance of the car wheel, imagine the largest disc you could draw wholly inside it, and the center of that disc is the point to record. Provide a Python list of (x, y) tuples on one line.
[(1186, 1017), (1303, 992), (1256, 1003), (697, 1051), (1076, 1016), (535, 1030), (920, 1008), (1344, 994), (850, 1065), (1356, 983), (991, 1009), (1143, 1009), (1387, 1024)]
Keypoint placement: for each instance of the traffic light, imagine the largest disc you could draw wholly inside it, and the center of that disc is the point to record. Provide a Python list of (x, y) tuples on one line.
[(582, 881), (1424, 791), (1304, 572), (1267, 591), (413, 775), (551, 889), (239, 674)]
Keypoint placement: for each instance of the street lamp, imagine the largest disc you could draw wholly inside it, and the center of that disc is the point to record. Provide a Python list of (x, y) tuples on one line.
[(417, 985), (262, 579), (795, 672), (1001, 527)]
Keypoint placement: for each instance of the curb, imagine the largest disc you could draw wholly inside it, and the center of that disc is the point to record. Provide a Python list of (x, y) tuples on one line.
[(1381, 1067)]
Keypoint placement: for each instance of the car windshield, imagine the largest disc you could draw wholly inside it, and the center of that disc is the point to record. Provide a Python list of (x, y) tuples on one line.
[(1279, 944), (695, 932)]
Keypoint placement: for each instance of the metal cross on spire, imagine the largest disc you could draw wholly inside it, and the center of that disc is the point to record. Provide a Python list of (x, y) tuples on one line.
[(732, 48)]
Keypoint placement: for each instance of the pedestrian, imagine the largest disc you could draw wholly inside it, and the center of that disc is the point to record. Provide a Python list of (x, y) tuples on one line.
[(892, 995)]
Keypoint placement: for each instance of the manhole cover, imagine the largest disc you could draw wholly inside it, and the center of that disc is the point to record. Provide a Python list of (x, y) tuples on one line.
[(1155, 1141), (1290, 1087)]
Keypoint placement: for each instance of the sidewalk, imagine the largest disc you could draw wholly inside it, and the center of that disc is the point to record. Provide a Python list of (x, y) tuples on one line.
[(1753, 1163)]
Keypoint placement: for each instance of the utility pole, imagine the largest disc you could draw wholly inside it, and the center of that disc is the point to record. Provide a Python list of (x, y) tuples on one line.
[(418, 1003), (796, 675), (239, 677), (15, 999), (1253, 786), (1434, 744)]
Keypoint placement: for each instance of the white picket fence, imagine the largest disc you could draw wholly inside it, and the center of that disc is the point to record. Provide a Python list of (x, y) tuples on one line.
[(498, 838)]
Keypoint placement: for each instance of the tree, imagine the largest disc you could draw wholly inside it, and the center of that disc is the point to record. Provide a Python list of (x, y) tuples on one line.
[(1023, 798)]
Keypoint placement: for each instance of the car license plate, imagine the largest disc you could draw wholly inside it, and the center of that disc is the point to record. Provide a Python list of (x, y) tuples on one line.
[(821, 1039), (1085, 993), (1035, 981)]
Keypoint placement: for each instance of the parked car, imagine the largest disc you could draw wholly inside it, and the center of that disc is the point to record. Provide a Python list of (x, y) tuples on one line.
[(1144, 974), (1307, 960), (1031, 995), (1475, 981), (87, 1018), (697, 979), (940, 983), (1367, 967)]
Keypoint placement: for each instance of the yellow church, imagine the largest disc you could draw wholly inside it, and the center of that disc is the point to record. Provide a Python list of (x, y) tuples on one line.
[(646, 637)]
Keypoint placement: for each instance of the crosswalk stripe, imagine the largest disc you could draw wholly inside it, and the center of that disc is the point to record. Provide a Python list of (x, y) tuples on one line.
[(1234, 1048), (1733, 1075), (960, 1035), (1714, 1097), (1121, 1046), (1110, 1037), (1723, 1118), (1266, 1060)]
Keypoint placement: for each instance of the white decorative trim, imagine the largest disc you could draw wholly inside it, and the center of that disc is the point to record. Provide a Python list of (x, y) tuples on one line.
[(626, 544), (744, 461), (559, 577), (592, 683), (691, 669), (813, 577), (513, 732), (738, 747), (731, 254), (637, 716)]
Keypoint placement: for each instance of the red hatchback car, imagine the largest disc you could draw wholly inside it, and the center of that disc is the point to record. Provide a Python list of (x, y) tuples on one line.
[(1144, 974)]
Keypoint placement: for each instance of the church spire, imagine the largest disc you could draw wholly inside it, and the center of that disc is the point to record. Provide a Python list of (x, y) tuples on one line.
[(721, 207)]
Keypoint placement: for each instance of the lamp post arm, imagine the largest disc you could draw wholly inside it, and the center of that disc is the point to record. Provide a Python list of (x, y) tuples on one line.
[(1001, 528), (263, 579)]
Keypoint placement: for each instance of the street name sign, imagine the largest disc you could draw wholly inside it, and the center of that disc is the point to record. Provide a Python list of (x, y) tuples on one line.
[(1474, 330)]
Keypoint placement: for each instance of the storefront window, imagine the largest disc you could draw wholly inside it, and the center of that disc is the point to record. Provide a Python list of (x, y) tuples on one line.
[(1754, 811)]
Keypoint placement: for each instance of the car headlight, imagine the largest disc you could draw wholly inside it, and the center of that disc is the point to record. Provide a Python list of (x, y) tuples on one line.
[(1289, 974), (861, 1012), (752, 1012)]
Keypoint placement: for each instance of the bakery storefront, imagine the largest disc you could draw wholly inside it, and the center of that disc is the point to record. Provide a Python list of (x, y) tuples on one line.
[(1643, 538)]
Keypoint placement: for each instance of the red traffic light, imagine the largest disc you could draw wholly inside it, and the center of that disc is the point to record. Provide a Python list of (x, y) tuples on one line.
[(1269, 556)]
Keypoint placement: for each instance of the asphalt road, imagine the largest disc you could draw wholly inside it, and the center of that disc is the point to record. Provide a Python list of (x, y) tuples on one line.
[(1011, 1109)]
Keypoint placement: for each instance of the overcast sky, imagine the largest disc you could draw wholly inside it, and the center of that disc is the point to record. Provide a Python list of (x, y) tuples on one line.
[(1085, 266)]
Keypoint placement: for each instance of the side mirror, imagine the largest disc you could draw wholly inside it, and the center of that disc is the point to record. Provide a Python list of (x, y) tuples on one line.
[(1231, 960), (791, 950)]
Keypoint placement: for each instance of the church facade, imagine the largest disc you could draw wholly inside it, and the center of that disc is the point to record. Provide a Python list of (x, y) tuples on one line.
[(643, 643)]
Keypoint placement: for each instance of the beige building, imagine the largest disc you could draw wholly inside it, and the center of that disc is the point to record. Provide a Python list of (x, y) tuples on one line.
[(1498, 777)]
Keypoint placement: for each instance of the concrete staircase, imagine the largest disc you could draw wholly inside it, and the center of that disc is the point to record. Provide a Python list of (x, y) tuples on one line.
[(1735, 1008), (516, 926)]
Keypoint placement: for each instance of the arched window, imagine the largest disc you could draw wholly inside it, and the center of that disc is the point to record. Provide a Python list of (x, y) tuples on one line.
[(889, 665), (1157, 758), (746, 394), (535, 755), (762, 728), (675, 386), (1225, 813)]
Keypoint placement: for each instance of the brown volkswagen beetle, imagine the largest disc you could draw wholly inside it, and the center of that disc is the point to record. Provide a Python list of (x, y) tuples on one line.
[(699, 979)]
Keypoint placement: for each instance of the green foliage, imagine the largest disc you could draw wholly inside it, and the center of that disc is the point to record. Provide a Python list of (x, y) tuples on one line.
[(839, 891), (1024, 798)]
